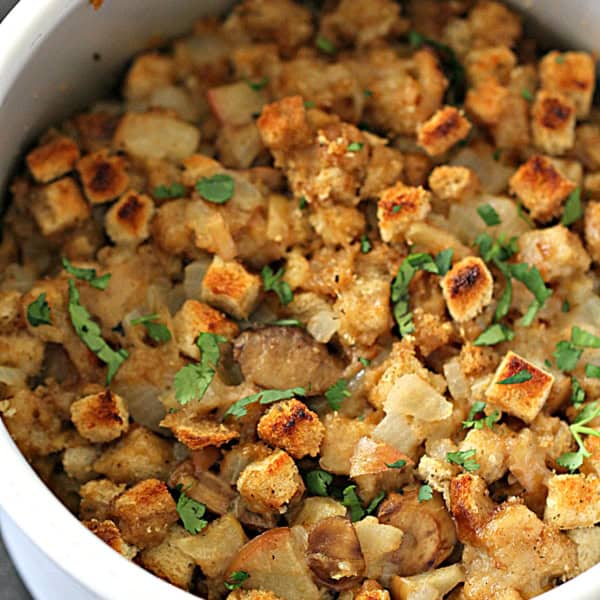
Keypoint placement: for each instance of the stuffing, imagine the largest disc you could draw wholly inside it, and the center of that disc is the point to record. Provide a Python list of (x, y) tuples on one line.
[(454, 184), (271, 484), (53, 159), (522, 399), (592, 230), (228, 286), (78, 462), (198, 432), (370, 590), (431, 331), (97, 499), (21, 350), (493, 62), (148, 72), (553, 123), (398, 208), (109, 533), (59, 206), (101, 417), (573, 501), (386, 166), (252, 595), (491, 452), (128, 220), (541, 187), (144, 513), (467, 288), (103, 177), (444, 129), (432, 585), (492, 24), (293, 427), (587, 541), (337, 225)]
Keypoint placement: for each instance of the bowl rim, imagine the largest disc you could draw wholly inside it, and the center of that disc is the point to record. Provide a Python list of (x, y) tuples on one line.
[(54, 530)]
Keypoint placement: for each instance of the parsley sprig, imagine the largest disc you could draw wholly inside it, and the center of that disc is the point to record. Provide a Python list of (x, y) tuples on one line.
[(168, 192), (38, 311), (464, 458), (336, 393), (89, 275), (190, 512), (487, 420), (352, 502), (238, 408), (425, 493), (519, 377), (573, 210), (318, 482), (217, 189), (235, 580), (156, 331), (273, 281), (574, 460), (567, 353)]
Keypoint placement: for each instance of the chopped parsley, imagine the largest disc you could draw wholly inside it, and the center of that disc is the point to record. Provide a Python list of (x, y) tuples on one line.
[(566, 355), (497, 154), (574, 460), (309, 104), (303, 203), (489, 215), (192, 381), (425, 493), (274, 282), (577, 392), (38, 311), (217, 189), (532, 279), (258, 85), (355, 147), (372, 507), (443, 260), (365, 244), (365, 362), (520, 377), (560, 59), (523, 215), (90, 334), (318, 481), (494, 334), (487, 420), (336, 393), (498, 250), (352, 502), (504, 301), (573, 210), (396, 465), (238, 408), (592, 371), (235, 580), (566, 307), (89, 275), (156, 331), (168, 192), (325, 45), (191, 512), (527, 95), (464, 458), (583, 338), (287, 323)]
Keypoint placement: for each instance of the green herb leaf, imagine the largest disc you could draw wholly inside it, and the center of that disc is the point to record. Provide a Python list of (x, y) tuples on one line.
[(489, 215), (287, 323), (547, 363), (274, 282), (566, 307), (336, 393), (520, 377), (487, 420), (425, 493), (90, 334), (498, 249), (504, 301), (396, 465), (191, 512), (573, 460), (325, 45), (577, 392), (566, 356), (560, 59), (238, 408), (365, 244), (497, 154), (192, 381), (365, 362), (375, 503), (258, 85), (218, 188), (592, 371), (317, 482), (443, 261), (236, 579), (573, 210), (367, 93), (584, 339), (309, 104), (38, 312), (523, 215), (525, 93), (167, 192), (531, 277), (355, 147), (303, 203), (464, 459), (570, 460), (156, 331), (89, 275), (351, 501), (494, 334)]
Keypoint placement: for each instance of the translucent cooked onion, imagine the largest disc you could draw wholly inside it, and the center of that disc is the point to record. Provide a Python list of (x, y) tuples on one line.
[(144, 405), (457, 383), (323, 325), (12, 377), (493, 175), (410, 395), (193, 275)]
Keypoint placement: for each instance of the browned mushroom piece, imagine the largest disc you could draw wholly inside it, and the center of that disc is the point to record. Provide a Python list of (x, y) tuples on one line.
[(429, 532), (334, 554), (286, 357)]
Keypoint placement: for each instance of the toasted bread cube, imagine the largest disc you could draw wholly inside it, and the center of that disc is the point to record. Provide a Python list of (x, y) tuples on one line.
[(371, 590), (149, 71), (128, 220), (493, 24), (53, 159), (194, 318), (283, 124), (109, 533), (494, 62), (78, 462), (145, 512), (104, 177), (101, 417), (573, 501), (399, 206), (97, 498), (490, 452), (454, 184), (252, 595), (156, 134), (59, 206), (592, 229), (555, 251), (467, 288), (587, 145), (541, 187), (271, 484), (525, 399), (572, 74), (168, 562), (228, 286), (553, 122), (22, 351), (196, 432), (215, 546), (139, 455), (486, 104), (587, 541), (445, 128), (292, 426)]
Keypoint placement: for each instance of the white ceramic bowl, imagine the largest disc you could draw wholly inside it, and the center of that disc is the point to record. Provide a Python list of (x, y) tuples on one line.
[(47, 70)]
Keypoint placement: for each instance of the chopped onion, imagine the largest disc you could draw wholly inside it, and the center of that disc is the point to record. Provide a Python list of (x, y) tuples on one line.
[(323, 325), (410, 395), (143, 403), (193, 276), (457, 383)]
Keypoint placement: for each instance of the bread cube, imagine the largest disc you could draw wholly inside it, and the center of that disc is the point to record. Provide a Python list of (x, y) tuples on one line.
[(525, 399), (399, 206), (145, 512), (494, 62), (541, 187), (109, 533), (467, 288), (283, 124), (587, 542), (149, 71), (572, 74), (486, 103), (127, 221), (292, 426), (337, 225), (104, 177), (197, 432), (444, 129), (97, 498), (101, 417), (454, 184), (228, 286), (139, 455), (490, 451), (592, 229), (156, 134), (493, 24), (53, 159), (58, 206), (78, 462), (271, 484), (168, 562), (573, 501), (555, 251), (22, 351), (194, 318), (553, 122)]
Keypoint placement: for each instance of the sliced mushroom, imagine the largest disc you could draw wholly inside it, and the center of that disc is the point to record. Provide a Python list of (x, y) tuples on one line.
[(334, 554), (429, 532), (286, 357)]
